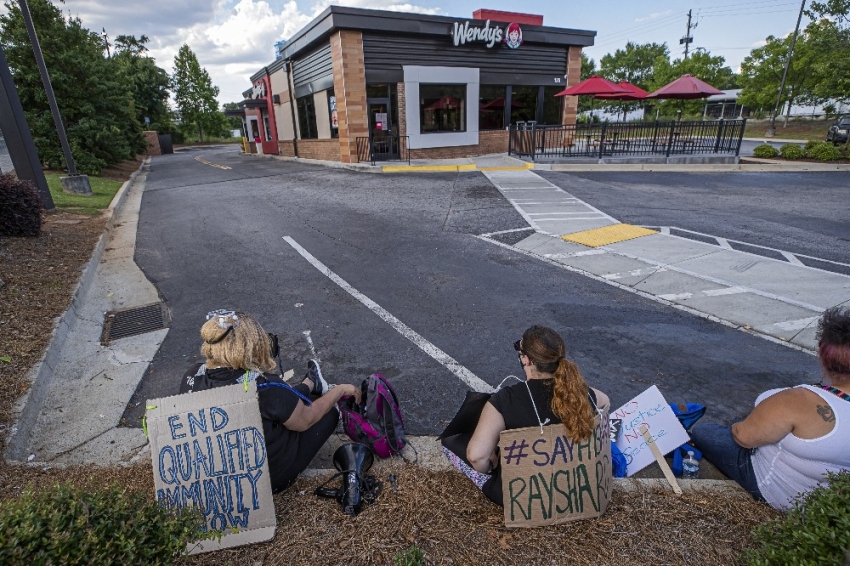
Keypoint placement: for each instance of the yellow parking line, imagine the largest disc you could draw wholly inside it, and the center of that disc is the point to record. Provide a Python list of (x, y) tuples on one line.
[(210, 163), (607, 235)]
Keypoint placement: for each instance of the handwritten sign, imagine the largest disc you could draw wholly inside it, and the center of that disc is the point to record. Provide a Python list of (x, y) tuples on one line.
[(548, 479), (208, 451), (650, 409)]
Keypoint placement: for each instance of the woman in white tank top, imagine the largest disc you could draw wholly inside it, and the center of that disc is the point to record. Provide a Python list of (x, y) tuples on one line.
[(793, 436)]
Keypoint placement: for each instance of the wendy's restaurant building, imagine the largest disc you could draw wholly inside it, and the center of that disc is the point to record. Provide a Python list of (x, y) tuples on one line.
[(358, 85)]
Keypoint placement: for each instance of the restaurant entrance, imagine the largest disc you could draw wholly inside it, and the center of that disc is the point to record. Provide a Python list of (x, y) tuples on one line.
[(383, 122)]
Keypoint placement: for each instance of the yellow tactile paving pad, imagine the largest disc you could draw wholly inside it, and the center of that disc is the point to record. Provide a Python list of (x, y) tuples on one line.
[(607, 235)]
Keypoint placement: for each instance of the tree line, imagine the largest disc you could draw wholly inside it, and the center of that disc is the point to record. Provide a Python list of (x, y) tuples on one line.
[(819, 72), (108, 94)]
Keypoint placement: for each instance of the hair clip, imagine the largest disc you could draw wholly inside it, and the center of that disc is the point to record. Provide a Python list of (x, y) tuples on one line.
[(223, 315)]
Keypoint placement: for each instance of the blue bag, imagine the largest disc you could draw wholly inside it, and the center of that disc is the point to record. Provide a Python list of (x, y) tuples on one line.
[(688, 414)]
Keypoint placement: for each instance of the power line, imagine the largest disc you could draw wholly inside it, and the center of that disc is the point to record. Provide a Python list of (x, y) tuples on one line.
[(643, 27), (636, 33)]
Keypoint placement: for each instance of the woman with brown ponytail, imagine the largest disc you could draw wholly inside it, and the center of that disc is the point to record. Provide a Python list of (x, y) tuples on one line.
[(554, 392)]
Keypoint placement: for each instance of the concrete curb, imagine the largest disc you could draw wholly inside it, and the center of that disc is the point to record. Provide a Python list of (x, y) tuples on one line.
[(41, 375)]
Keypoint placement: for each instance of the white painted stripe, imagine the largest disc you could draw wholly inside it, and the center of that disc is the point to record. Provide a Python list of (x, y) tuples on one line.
[(549, 213), (665, 230), (725, 291), (792, 259), (634, 273), (306, 334), (472, 380), (569, 219), (799, 324), (676, 296), (507, 231), (723, 243)]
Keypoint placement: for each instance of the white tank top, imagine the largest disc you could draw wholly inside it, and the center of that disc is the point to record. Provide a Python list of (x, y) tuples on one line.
[(795, 465)]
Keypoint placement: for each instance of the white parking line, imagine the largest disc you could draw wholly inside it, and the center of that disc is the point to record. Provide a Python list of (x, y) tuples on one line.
[(792, 259), (724, 291), (676, 296), (472, 380), (799, 324)]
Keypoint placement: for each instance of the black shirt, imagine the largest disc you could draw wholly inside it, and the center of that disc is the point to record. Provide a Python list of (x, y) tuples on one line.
[(276, 406), (515, 405)]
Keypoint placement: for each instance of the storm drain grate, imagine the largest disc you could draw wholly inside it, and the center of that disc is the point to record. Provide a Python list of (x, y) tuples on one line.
[(134, 321)]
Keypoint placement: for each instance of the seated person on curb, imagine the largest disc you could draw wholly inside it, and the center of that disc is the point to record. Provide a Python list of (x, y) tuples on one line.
[(554, 392), (794, 435), (236, 349)]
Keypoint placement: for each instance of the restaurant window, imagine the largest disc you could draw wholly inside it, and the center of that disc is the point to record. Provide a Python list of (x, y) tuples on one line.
[(552, 105), (491, 107), (334, 122), (524, 103), (442, 108), (307, 117)]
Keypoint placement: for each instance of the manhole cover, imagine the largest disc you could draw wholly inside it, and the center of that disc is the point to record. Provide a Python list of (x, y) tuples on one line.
[(134, 321)]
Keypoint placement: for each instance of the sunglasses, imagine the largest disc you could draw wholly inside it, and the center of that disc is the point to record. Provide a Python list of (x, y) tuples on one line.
[(518, 346)]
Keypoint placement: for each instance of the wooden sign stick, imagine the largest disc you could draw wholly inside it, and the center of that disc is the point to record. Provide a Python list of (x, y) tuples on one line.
[(659, 457)]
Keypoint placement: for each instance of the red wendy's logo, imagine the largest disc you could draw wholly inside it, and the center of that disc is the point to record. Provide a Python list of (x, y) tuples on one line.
[(513, 35)]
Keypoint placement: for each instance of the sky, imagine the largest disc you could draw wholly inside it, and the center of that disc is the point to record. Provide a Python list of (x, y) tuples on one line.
[(235, 38)]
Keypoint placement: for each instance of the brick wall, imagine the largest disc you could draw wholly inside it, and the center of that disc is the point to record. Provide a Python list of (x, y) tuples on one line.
[(402, 110), (326, 150), (152, 139), (573, 72), (494, 141), (349, 72), (286, 148)]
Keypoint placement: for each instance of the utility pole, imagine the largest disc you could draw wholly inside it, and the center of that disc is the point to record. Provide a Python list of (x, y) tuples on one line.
[(687, 40), (106, 40), (74, 183), (771, 130)]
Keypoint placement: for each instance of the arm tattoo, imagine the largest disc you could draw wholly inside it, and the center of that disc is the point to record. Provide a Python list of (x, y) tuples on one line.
[(826, 413)]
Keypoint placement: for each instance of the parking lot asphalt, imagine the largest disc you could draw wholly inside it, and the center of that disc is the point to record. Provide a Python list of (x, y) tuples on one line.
[(454, 257)]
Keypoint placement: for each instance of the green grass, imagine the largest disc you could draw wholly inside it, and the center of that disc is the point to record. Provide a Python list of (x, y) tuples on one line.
[(798, 129), (102, 192)]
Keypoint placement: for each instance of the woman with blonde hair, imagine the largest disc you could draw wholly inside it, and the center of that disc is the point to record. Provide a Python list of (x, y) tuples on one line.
[(297, 420), (554, 392)]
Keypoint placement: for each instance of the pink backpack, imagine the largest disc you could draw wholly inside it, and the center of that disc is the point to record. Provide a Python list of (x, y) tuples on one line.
[(377, 420)]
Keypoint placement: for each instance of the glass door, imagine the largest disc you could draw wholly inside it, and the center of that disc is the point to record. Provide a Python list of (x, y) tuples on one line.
[(384, 146)]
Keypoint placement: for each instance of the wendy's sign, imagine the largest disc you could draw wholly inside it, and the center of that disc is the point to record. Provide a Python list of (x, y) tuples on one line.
[(491, 35)]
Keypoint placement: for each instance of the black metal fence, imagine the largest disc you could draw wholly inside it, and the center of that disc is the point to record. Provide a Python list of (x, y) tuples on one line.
[(391, 147), (626, 138)]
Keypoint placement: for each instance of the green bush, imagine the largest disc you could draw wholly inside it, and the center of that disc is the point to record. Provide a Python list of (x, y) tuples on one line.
[(815, 531), (792, 151), (809, 145), (824, 151), (765, 150), (411, 556), (20, 208), (68, 525)]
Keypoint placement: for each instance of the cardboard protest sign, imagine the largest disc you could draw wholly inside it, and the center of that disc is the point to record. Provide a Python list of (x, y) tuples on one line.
[(650, 409), (209, 452), (547, 479)]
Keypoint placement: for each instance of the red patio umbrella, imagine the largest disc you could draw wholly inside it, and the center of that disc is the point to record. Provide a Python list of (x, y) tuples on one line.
[(444, 102), (633, 92), (686, 87), (593, 85), (500, 103)]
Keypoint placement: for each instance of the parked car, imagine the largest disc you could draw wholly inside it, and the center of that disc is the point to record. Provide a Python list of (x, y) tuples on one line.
[(838, 131)]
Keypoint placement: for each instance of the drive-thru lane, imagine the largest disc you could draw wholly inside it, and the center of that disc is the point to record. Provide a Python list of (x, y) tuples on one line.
[(211, 237)]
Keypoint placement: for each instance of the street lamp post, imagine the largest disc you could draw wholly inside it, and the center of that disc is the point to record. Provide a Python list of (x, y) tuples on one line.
[(771, 130), (74, 183)]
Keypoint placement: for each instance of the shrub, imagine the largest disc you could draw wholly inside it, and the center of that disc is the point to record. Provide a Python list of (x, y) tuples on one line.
[(809, 145), (815, 531), (411, 556), (20, 208), (824, 151), (792, 151), (67, 525), (765, 150)]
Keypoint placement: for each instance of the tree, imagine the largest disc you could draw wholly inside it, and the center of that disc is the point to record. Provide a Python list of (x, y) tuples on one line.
[(829, 42), (149, 83), (588, 69), (762, 69), (94, 99), (635, 63), (195, 95)]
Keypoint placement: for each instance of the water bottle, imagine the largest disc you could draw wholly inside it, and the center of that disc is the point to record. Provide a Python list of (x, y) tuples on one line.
[(690, 466)]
